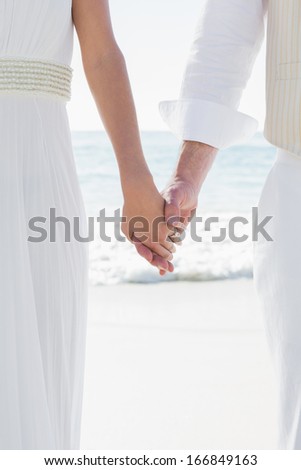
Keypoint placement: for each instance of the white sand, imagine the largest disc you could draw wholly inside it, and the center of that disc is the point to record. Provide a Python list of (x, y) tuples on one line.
[(178, 366)]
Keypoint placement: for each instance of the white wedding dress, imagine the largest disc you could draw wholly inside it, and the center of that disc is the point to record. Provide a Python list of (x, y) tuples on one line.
[(43, 285)]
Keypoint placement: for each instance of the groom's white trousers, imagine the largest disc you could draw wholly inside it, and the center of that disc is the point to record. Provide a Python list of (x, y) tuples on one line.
[(277, 275)]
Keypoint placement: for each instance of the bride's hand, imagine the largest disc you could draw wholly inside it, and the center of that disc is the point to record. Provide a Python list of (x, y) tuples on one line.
[(144, 223)]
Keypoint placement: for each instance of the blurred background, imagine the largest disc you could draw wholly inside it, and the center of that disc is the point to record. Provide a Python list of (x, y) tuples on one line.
[(155, 39), (178, 362)]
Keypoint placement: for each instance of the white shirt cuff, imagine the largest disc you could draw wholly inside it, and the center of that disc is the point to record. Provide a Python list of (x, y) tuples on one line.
[(208, 122)]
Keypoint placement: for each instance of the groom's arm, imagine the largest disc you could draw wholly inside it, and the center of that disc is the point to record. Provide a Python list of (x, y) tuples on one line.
[(206, 117), (227, 40)]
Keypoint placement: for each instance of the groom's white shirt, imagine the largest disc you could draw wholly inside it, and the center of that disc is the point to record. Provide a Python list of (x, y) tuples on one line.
[(227, 40)]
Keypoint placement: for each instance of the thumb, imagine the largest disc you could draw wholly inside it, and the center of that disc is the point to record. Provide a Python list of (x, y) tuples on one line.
[(172, 211)]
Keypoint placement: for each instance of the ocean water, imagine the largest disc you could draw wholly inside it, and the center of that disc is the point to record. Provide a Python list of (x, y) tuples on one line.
[(232, 189)]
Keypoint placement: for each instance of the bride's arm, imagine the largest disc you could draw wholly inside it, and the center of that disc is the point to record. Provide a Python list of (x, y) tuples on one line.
[(106, 73)]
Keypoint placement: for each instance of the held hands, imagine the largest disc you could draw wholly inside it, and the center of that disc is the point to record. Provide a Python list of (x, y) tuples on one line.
[(174, 207)]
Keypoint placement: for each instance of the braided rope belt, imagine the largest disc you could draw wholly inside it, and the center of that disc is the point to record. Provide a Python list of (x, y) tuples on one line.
[(35, 76)]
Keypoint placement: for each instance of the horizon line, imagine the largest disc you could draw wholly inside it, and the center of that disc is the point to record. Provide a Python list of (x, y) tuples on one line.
[(259, 131)]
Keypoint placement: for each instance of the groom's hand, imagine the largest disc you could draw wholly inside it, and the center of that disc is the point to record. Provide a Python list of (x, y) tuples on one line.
[(181, 193), (181, 198)]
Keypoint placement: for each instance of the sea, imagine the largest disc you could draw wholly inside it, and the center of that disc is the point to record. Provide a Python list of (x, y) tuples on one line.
[(222, 249)]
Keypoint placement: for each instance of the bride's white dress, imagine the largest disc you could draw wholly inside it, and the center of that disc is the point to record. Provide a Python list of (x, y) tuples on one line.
[(43, 286)]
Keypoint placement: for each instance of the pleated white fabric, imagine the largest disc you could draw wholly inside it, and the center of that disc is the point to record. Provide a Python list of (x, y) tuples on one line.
[(277, 273), (43, 286)]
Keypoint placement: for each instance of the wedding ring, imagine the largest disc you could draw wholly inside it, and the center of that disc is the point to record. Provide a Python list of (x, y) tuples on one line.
[(176, 236)]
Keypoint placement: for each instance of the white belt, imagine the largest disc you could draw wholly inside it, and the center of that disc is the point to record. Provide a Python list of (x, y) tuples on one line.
[(35, 76)]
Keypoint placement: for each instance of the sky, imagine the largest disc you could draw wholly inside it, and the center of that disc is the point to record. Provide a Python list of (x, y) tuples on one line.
[(155, 37)]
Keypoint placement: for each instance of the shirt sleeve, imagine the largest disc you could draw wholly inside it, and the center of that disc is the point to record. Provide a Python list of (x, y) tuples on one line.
[(227, 40)]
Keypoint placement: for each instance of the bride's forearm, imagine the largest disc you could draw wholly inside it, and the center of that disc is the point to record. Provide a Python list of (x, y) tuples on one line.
[(108, 80), (109, 83)]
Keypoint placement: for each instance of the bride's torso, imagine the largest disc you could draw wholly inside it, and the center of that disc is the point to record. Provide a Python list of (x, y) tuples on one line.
[(39, 29), (36, 45)]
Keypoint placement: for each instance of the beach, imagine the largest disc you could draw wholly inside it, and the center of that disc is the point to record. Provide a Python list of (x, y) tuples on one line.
[(178, 365), (231, 190), (180, 362)]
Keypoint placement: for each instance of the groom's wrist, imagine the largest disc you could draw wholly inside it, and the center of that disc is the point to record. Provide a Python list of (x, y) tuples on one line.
[(195, 161)]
